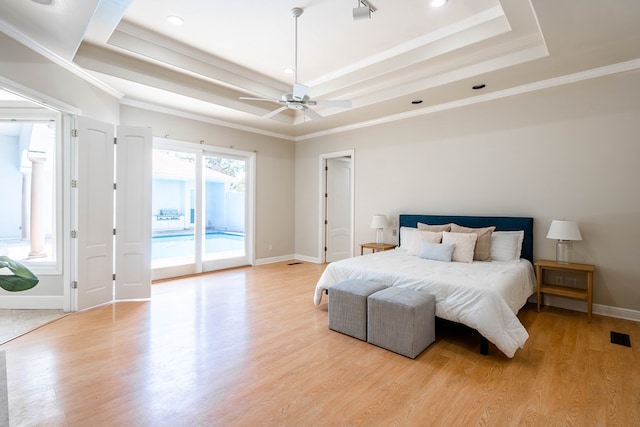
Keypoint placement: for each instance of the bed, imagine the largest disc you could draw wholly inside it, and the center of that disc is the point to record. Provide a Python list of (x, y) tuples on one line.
[(483, 295)]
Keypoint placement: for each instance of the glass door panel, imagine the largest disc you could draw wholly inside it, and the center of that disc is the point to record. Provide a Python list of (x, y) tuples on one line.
[(224, 207), (173, 224)]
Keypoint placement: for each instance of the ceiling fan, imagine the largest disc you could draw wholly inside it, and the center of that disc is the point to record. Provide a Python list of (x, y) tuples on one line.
[(298, 99)]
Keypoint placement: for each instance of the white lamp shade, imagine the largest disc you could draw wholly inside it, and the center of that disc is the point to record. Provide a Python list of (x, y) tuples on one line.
[(378, 221), (564, 230)]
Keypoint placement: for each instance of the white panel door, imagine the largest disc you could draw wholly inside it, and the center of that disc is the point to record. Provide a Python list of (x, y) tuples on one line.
[(94, 162), (338, 209), (133, 213)]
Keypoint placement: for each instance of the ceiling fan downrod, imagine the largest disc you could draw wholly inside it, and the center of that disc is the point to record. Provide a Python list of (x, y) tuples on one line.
[(296, 12)]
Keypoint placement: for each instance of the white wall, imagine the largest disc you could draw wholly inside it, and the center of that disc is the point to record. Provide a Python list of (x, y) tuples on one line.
[(568, 152)]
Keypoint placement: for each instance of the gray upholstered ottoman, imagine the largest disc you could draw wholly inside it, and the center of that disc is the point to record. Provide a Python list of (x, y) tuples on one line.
[(348, 306), (401, 320)]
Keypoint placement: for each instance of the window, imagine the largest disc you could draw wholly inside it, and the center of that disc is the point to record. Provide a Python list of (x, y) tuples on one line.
[(28, 176)]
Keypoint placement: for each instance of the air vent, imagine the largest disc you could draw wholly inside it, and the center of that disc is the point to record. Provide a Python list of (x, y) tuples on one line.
[(620, 339), (294, 263)]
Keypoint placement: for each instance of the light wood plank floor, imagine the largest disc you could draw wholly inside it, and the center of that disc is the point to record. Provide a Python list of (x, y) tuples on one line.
[(247, 347)]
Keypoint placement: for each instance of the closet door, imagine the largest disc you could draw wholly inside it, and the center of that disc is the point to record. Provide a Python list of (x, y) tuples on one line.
[(94, 213), (133, 213), (339, 240)]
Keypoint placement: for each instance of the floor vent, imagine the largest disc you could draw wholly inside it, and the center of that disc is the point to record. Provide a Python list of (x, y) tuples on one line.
[(621, 339), (294, 263)]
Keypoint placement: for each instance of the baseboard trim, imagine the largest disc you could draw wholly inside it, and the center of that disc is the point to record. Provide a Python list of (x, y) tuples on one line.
[(600, 309), (29, 302), (283, 258), (305, 258), (272, 260)]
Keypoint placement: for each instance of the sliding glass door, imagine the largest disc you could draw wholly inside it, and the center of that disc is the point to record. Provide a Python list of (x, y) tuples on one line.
[(201, 221), (224, 208)]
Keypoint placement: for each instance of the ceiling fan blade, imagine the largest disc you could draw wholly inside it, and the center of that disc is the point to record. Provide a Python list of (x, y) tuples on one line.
[(333, 103), (299, 91), (312, 114), (258, 99), (274, 112)]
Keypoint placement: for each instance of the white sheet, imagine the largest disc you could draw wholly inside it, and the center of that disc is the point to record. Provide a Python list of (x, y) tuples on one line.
[(485, 296)]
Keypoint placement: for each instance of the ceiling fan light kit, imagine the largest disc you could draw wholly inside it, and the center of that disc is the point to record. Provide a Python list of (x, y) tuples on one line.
[(363, 11), (298, 99)]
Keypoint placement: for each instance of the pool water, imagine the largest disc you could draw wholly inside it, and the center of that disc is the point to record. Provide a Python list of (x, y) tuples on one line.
[(182, 245)]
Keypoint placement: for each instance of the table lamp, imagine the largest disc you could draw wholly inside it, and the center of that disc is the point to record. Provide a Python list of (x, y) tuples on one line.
[(565, 232), (379, 222)]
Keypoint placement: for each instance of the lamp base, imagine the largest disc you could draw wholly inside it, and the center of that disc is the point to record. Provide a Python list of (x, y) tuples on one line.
[(379, 236), (563, 251)]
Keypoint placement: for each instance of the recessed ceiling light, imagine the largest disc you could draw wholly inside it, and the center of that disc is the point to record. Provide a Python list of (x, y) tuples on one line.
[(478, 87), (45, 2), (437, 3), (175, 20), (416, 101)]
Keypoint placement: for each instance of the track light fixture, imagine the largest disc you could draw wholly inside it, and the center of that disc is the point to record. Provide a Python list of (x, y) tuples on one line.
[(363, 11)]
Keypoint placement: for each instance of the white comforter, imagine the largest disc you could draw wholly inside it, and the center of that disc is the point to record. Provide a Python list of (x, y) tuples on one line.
[(485, 296)]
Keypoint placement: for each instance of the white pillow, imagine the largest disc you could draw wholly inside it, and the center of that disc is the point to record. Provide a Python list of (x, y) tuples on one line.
[(436, 251), (423, 236), (506, 245), (465, 245), (406, 237)]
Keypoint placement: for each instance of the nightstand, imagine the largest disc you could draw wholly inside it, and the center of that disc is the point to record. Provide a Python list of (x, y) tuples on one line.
[(565, 291), (376, 247)]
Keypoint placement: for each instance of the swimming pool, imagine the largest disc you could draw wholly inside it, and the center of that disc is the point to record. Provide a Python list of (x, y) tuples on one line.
[(183, 245)]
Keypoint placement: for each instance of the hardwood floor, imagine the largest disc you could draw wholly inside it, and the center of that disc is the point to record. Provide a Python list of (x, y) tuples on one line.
[(247, 347)]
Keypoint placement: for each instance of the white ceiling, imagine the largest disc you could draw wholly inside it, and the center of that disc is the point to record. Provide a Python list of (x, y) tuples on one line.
[(406, 51)]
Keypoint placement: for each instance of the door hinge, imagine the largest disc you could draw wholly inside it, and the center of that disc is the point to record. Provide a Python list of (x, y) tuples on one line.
[(74, 234), (326, 222), (115, 140), (74, 284), (74, 133), (74, 183), (326, 168), (114, 231), (325, 249), (326, 195), (114, 276), (114, 185)]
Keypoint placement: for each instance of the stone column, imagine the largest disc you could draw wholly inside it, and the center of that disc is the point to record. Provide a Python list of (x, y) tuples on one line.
[(26, 203), (37, 204)]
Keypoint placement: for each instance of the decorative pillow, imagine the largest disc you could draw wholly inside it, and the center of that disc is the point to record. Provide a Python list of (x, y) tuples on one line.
[(423, 236), (482, 251), (506, 245), (465, 244), (406, 237), (436, 228), (436, 251)]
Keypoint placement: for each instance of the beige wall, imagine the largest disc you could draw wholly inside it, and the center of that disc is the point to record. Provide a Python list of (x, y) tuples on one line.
[(568, 152), (274, 175)]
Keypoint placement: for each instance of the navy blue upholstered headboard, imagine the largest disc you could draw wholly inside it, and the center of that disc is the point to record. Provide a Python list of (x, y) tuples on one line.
[(502, 223)]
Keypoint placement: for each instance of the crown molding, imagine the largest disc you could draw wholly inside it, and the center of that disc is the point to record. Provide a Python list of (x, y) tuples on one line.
[(57, 59)]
